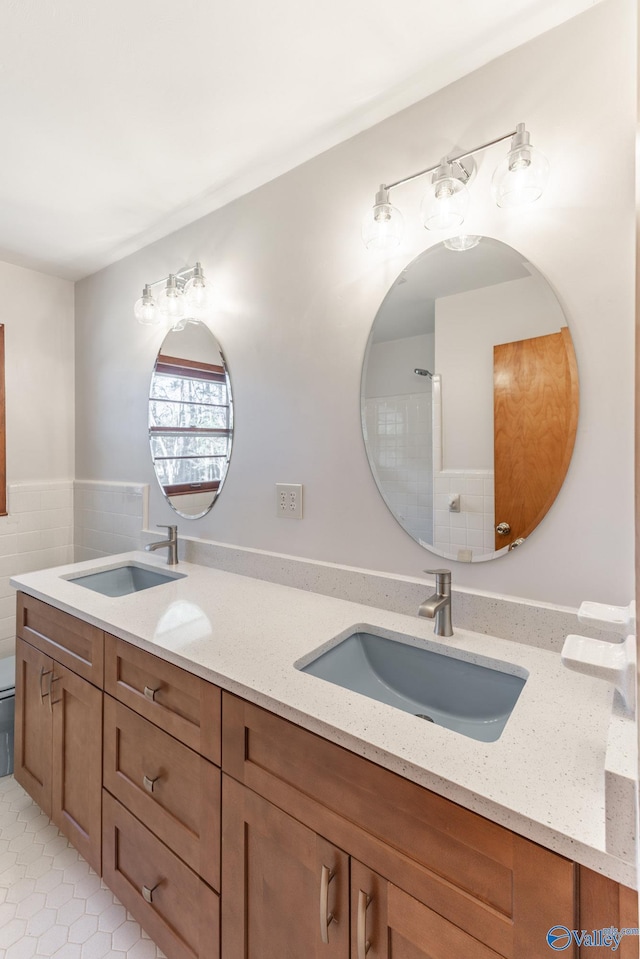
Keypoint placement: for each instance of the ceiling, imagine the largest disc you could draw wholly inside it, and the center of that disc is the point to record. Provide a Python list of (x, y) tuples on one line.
[(126, 120)]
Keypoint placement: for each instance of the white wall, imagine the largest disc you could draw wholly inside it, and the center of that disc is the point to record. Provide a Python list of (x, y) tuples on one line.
[(39, 374), (297, 294), (468, 326), (390, 366), (39, 347)]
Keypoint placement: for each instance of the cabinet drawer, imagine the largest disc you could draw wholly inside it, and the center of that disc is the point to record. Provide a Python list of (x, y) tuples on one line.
[(172, 789), (75, 644), (469, 870), (184, 705), (178, 910)]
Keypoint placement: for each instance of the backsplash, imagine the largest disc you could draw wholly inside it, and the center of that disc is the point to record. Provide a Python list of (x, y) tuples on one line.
[(108, 518), (37, 533), (113, 518)]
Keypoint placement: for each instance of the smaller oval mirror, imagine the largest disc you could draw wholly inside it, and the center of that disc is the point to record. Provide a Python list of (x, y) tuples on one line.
[(190, 419)]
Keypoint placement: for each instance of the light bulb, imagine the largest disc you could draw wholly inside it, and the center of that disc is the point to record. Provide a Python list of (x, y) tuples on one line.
[(146, 309), (445, 203), (171, 302), (198, 293), (522, 176), (383, 225)]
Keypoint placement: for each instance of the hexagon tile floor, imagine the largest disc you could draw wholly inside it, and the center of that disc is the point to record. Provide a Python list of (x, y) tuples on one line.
[(51, 902)]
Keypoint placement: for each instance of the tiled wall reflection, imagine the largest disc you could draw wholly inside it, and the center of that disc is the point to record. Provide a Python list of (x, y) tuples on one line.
[(398, 430), (470, 532)]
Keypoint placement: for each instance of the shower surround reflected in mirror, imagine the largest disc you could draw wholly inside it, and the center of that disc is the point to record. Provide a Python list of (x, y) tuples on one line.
[(469, 399), (190, 419)]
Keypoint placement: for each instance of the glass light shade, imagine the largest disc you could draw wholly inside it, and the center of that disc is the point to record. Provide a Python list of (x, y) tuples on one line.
[(197, 294), (444, 205), (521, 177), (178, 324), (146, 309), (171, 302), (382, 227), (461, 242)]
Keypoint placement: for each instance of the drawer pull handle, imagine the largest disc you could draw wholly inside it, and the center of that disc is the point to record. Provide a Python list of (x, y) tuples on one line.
[(53, 702), (149, 784), (45, 672), (147, 893), (363, 943), (326, 917), (150, 692)]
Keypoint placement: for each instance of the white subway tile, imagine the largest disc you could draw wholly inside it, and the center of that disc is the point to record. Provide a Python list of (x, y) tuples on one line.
[(29, 542), (459, 536), (474, 504), (8, 628), (21, 502), (489, 541), (57, 499), (475, 537)]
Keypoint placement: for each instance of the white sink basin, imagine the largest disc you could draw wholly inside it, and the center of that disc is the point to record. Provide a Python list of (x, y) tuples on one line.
[(125, 579), (466, 697)]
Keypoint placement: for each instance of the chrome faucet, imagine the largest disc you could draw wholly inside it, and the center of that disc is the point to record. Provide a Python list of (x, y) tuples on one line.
[(438, 606), (171, 543)]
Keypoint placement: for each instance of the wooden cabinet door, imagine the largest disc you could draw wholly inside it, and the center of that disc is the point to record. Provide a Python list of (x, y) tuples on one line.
[(387, 923), (278, 898), (76, 789), (33, 723)]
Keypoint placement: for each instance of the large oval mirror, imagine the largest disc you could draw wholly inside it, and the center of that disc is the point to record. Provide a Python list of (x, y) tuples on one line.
[(190, 419), (469, 399)]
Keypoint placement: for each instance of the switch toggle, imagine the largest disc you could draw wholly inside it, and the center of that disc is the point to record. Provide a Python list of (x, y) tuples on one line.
[(454, 502)]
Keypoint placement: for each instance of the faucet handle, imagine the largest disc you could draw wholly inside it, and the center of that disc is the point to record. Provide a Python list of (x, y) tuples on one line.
[(440, 573), (172, 528)]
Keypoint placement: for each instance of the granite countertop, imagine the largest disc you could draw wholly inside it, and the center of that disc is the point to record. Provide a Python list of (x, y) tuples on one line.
[(544, 777)]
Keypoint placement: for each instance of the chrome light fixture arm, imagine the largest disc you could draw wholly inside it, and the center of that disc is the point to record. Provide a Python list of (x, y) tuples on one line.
[(451, 159), (519, 178), (185, 296)]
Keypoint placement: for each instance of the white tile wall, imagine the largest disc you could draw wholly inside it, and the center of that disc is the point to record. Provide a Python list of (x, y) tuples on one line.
[(469, 533), (398, 432), (108, 517), (37, 533)]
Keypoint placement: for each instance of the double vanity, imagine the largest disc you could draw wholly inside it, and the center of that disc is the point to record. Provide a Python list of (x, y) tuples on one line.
[(266, 771)]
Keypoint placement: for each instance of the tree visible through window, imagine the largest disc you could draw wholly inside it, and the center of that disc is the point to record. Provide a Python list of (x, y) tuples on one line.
[(189, 424)]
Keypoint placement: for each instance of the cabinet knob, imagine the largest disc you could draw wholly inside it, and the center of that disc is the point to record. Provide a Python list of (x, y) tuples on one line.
[(503, 529), (150, 692), (147, 892), (149, 784)]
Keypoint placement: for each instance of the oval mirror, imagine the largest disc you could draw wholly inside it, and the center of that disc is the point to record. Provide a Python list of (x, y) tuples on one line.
[(190, 419), (469, 399)]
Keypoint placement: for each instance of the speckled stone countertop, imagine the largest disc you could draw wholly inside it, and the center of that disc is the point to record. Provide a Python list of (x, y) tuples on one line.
[(544, 777)]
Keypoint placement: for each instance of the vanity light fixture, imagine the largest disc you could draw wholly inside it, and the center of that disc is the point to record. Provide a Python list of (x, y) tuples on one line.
[(184, 296), (520, 178)]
